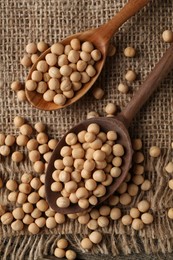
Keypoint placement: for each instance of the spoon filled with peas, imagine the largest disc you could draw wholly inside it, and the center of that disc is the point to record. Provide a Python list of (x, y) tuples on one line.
[(68, 69), (94, 157)]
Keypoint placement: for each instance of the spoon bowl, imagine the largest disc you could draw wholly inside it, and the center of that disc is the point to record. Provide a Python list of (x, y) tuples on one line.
[(100, 37), (120, 124), (37, 100), (106, 124)]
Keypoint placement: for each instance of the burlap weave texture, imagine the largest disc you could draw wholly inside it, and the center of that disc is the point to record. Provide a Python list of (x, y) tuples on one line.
[(22, 21)]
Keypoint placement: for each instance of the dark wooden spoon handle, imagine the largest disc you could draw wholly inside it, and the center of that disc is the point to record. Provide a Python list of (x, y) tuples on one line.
[(160, 71)]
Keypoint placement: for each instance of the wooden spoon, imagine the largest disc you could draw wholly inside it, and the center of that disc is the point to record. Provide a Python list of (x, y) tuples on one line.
[(120, 124), (100, 37)]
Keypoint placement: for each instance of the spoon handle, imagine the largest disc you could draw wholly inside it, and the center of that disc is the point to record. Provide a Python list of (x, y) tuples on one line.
[(160, 71), (107, 30)]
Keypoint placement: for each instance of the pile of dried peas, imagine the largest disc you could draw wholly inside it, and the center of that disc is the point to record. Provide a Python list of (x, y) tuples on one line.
[(31, 209), (29, 195)]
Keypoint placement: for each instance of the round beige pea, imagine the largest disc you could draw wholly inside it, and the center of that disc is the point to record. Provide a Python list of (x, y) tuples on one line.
[(125, 199), (99, 155), (75, 44), (98, 93), (83, 203), (52, 143), (155, 151), (84, 219), (32, 144), (91, 71), (87, 47), (21, 198), (85, 56), (147, 218), (93, 200), (75, 76), (59, 99), (99, 191), (25, 188), (22, 140), (11, 185), (26, 177), (34, 156), (66, 70), (70, 255), (42, 46), (49, 95), (17, 156), (51, 223), (126, 220), (123, 88), (96, 55), (170, 184), (27, 219), (42, 205), (103, 221), (117, 161), (138, 179), (143, 206), (16, 85), (82, 193), (137, 144), (57, 48), (10, 140), (51, 59), (40, 222), (110, 109), (62, 243), (73, 56), (134, 213), (42, 66), (84, 77), (118, 150), (42, 138), (63, 60), (115, 213), (167, 36), (21, 96), (115, 172), (60, 253), (70, 186), (12, 196), (66, 85), (146, 185), (18, 213), (33, 228), (35, 183), (36, 75), (31, 48), (41, 87), (130, 75), (71, 139), (81, 65), (17, 225), (27, 207), (54, 84), (111, 135), (137, 224), (26, 61), (86, 243), (122, 188), (33, 197), (95, 237), (99, 176), (129, 52), (26, 130), (7, 218), (132, 189), (62, 202)]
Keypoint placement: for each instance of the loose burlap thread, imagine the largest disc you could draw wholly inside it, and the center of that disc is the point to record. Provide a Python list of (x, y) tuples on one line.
[(23, 21)]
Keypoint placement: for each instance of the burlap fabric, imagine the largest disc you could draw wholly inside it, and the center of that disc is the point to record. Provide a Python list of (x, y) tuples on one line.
[(22, 21)]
